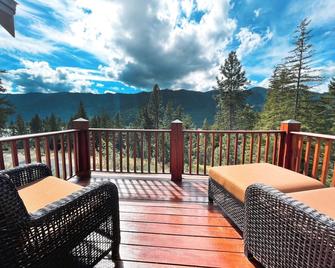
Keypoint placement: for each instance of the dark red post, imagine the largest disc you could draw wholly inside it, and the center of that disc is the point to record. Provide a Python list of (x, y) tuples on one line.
[(289, 152), (176, 150), (84, 169)]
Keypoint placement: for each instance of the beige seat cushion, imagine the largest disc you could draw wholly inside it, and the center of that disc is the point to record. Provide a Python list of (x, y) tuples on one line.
[(236, 179), (322, 200), (42, 192)]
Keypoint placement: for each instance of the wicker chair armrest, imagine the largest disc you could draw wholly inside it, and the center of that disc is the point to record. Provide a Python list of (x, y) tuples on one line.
[(283, 232), (64, 223), (27, 173)]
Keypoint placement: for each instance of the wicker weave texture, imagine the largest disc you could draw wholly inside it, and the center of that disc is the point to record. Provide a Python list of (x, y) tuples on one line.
[(282, 232), (230, 206), (80, 228)]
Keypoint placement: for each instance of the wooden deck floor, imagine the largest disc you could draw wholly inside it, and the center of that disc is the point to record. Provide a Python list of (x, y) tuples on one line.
[(164, 224)]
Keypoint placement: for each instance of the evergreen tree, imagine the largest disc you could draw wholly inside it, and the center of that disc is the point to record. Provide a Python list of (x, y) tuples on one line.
[(20, 125), (231, 98), (36, 124), (327, 109), (205, 125), (302, 75), (154, 106), (81, 112), (279, 101), (52, 123), (5, 107), (118, 121)]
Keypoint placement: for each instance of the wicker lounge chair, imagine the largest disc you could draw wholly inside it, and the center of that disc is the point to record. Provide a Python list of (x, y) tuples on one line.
[(283, 232), (227, 185), (74, 231)]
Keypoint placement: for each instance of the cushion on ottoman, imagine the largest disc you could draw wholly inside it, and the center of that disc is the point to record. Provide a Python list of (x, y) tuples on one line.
[(323, 200), (42, 192), (236, 179)]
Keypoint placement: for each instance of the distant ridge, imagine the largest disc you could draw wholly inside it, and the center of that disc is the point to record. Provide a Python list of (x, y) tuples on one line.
[(199, 105)]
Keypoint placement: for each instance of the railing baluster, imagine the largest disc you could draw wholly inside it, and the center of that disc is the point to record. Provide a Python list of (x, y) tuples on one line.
[(75, 152), (316, 159), (107, 149), (69, 154), (307, 155), (2, 162), (228, 149), (243, 147), (251, 153), (259, 148), (205, 153), (121, 151), (325, 164), (93, 151), (135, 151), (15, 158), (333, 178), (149, 151), (63, 156), (38, 150), (100, 151), (198, 152), (236, 148), (274, 149), (47, 152), (26, 149), (266, 151), (114, 153), (156, 152), (298, 156), (163, 152), (142, 151), (127, 141), (55, 145), (213, 148), (190, 154), (220, 149)]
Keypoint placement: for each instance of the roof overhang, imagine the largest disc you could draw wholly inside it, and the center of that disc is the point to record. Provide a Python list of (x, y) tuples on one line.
[(7, 12)]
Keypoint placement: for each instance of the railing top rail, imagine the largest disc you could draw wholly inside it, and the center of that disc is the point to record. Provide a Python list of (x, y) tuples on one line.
[(129, 130), (36, 135), (233, 131), (315, 135)]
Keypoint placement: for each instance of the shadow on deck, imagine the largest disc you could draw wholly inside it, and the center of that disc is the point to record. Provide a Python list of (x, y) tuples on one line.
[(167, 224)]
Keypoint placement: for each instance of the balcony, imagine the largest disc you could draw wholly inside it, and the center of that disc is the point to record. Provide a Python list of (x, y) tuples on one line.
[(161, 175)]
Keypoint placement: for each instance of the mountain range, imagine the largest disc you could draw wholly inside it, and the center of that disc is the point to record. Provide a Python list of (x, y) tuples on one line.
[(199, 105)]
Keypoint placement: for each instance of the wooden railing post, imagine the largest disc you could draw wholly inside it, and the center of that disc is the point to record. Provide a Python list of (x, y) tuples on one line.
[(290, 148), (176, 150), (83, 156)]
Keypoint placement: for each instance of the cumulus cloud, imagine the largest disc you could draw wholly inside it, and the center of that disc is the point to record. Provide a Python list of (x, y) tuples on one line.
[(39, 76), (250, 41), (144, 42)]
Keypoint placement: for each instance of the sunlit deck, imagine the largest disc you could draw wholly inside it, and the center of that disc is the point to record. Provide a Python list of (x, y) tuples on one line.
[(165, 224)]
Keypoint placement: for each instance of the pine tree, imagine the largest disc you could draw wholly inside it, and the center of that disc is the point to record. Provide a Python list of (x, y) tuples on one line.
[(279, 101), (231, 99), (299, 62), (20, 125), (81, 112), (327, 109), (36, 124), (6, 108), (154, 106), (52, 123), (118, 121)]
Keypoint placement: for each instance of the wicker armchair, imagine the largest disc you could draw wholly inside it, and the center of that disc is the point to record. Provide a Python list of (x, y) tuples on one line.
[(282, 232), (76, 231)]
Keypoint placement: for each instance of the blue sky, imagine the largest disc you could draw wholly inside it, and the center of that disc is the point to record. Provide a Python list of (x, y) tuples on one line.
[(126, 46)]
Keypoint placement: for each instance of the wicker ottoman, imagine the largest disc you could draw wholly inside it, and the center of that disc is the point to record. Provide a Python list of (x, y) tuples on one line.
[(228, 184)]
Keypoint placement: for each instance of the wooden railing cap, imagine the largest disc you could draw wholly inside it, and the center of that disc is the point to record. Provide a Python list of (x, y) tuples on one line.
[(177, 121)]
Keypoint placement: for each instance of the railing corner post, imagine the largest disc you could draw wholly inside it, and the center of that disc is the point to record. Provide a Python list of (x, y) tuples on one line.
[(176, 150), (83, 157), (289, 151)]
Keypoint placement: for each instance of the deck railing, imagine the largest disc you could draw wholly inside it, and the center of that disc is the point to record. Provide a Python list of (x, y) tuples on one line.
[(174, 151), (208, 148), (57, 149)]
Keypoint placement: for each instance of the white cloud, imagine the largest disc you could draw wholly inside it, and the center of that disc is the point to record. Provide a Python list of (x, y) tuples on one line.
[(257, 12), (250, 41), (143, 42)]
